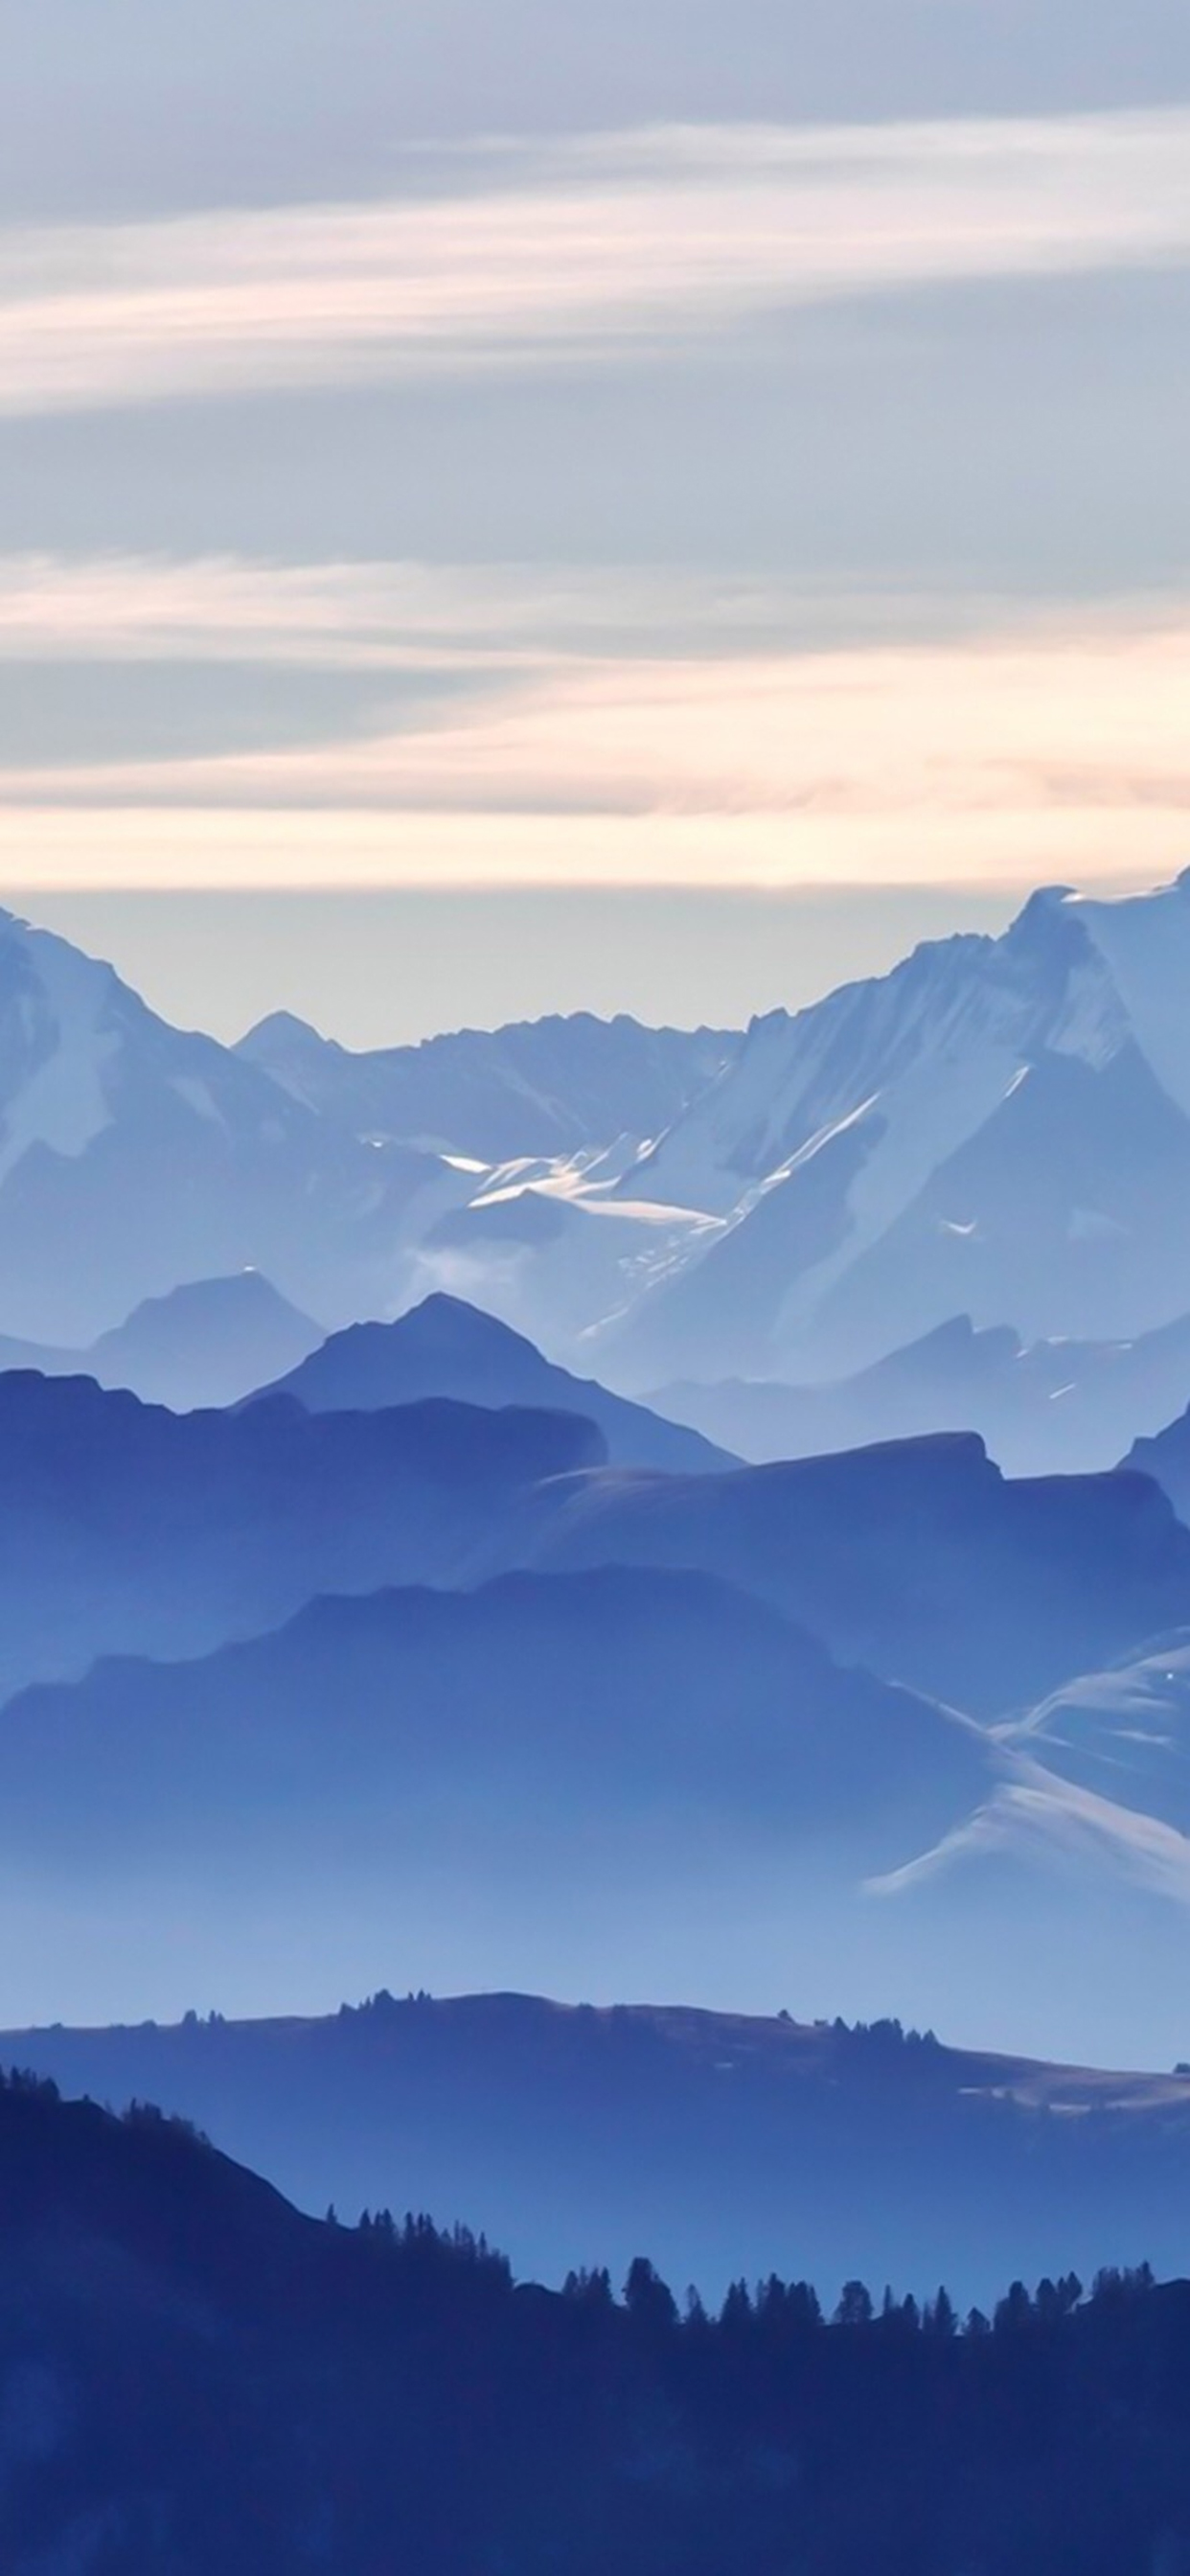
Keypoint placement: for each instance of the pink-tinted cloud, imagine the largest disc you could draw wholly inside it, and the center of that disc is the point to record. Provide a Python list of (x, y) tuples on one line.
[(1053, 748)]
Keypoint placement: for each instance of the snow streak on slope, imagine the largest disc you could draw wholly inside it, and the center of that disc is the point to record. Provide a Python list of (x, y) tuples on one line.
[(1145, 946), (58, 1043), (999, 1128), (855, 1111)]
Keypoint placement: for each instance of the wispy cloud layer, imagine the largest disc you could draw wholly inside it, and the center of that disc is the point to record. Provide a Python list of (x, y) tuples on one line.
[(636, 243), (578, 742), (397, 615)]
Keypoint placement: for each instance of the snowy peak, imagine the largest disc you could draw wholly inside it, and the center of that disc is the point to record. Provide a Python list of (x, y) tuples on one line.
[(60, 1033), (292, 1054), (976, 1008), (536, 1088), (1143, 944), (1000, 1125), (169, 1158), (997, 1127)]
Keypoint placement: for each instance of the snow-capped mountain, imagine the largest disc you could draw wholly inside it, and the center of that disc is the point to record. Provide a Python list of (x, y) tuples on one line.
[(172, 1159), (135, 1157), (1000, 1127), (552, 1087)]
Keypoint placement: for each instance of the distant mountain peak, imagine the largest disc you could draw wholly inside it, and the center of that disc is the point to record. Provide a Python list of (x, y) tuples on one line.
[(280, 1024), (447, 1348)]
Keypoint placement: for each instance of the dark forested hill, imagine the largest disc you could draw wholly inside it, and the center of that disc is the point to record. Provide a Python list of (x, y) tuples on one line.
[(723, 2142), (193, 2377)]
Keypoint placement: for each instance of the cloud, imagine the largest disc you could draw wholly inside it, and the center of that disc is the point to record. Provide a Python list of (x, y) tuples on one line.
[(1056, 709), (627, 726), (397, 615), (401, 615), (634, 243)]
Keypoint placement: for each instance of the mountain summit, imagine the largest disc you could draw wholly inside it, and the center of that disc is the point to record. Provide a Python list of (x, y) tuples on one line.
[(999, 1127), (445, 1347)]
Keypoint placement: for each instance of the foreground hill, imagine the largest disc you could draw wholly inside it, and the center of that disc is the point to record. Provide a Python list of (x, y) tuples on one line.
[(125, 1528), (725, 2143), (918, 1559), (195, 2377), (447, 1348), (205, 1344)]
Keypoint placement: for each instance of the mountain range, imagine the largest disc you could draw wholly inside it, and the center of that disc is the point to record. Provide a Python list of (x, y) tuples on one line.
[(203, 1345), (999, 1129), (540, 1088), (572, 1761), (313, 1687), (445, 1347), (1042, 1408), (903, 1558), (172, 1159), (400, 1632), (125, 1528), (461, 1676)]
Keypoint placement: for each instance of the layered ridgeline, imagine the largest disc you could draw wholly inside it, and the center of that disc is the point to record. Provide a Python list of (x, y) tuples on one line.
[(440, 1680), (445, 1347), (130, 1529), (196, 2377), (725, 2143), (176, 1159), (208, 1343), (1047, 1407), (440, 1648), (999, 1131)]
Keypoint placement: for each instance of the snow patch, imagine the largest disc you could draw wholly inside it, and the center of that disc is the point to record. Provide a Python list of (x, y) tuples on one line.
[(62, 1102)]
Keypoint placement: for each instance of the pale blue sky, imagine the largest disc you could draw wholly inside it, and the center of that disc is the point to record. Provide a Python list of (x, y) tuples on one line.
[(478, 443)]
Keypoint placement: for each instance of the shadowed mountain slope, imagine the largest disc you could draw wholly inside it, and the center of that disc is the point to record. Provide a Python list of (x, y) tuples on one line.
[(918, 1559), (1044, 1408), (206, 1344), (1166, 1458), (620, 1718), (127, 1528), (447, 1348)]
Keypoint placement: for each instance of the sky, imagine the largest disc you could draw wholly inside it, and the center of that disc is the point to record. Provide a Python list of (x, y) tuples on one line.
[(652, 507)]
